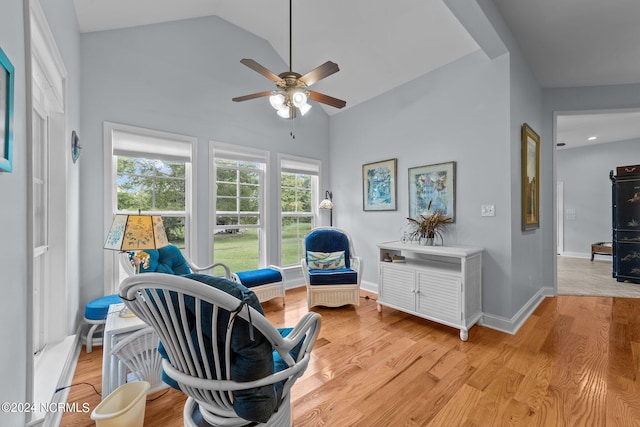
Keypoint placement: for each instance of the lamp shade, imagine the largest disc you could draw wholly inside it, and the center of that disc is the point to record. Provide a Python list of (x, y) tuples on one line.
[(327, 203), (136, 232)]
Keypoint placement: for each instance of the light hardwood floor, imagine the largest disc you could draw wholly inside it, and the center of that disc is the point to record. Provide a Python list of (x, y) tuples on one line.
[(575, 362)]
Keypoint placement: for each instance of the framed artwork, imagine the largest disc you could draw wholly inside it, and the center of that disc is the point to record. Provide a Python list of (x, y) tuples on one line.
[(433, 183), (6, 113), (379, 186), (530, 178)]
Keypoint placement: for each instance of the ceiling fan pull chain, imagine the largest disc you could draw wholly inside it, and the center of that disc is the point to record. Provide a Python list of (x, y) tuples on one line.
[(293, 135)]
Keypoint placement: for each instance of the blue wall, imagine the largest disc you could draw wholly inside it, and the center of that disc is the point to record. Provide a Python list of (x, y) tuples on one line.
[(180, 77), (470, 112), (456, 113), (13, 225)]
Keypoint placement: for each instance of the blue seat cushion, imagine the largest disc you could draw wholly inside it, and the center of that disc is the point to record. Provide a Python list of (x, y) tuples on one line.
[(259, 277), (342, 276), (99, 307), (278, 362), (168, 260)]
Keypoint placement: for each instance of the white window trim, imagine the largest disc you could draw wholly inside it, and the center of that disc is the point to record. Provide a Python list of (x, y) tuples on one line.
[(253, 154), (315, 191), (110, 202)]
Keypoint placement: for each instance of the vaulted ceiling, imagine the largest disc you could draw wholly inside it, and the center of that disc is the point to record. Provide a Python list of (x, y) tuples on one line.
[(383, 44)]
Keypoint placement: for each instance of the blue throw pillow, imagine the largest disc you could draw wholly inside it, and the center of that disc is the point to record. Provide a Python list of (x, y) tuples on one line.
[(168, 260)]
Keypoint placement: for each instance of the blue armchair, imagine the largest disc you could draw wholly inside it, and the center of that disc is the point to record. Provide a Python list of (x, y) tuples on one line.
[(331, 269)]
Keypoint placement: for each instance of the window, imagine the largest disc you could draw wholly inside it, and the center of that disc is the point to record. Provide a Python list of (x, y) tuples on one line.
[(298, 209), (151, 173), (154, 185), (238, 230)]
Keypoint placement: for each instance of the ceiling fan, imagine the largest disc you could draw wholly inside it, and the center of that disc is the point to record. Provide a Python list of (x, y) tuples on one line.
[(292, 90)]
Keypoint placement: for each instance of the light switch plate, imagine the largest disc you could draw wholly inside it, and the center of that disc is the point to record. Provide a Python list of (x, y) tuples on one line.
[(488, 210)]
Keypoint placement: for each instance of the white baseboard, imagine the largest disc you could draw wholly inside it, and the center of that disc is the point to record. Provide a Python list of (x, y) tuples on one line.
[(511, 325), (586, 255), (369, 286), (502, 324)]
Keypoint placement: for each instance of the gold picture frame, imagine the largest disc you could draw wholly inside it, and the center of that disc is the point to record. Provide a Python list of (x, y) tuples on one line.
[(530, 178)]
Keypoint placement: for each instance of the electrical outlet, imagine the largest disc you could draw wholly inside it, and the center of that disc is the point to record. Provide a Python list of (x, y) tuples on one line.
[(488, 210)]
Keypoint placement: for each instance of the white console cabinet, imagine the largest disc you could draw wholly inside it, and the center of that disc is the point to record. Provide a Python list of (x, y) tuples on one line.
[(438, 283)]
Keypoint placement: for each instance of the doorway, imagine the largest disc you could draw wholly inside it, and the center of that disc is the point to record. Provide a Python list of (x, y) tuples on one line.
[(588, 145)]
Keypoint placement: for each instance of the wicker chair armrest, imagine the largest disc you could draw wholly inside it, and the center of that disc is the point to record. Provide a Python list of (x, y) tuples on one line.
[(197, 269)]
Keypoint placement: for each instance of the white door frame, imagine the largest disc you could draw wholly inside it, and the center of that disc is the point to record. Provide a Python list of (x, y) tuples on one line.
[(44, 63), (560, 216)]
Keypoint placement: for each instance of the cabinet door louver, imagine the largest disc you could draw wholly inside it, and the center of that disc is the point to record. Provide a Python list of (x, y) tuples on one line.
[(399, 286), (439, 295)]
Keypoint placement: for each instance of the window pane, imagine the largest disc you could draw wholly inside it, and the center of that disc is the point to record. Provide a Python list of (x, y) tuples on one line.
[(174, 226), (249, 177), (239, 250), (226, 175), (150, 184), (249, 190), (249, 220), (226, 205), (249, 205), (226, 220), (238, 194), (296, 193), (293, 232), (230, 190)]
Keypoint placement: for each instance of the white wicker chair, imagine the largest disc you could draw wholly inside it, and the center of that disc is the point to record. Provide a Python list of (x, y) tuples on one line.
[(332, 293), (171, 303), (138, 352)]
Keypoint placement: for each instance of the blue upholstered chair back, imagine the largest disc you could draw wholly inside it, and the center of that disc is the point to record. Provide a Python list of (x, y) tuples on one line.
[(329, 240)]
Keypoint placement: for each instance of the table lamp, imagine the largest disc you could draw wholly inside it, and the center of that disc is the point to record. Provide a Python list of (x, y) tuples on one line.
[(135, 233)]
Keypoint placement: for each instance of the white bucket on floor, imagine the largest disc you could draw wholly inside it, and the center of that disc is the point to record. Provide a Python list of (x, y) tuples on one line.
[(124, 407)]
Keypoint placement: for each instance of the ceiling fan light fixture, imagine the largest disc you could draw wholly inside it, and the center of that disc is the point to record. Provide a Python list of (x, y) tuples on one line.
[(304, 108), (299, 98), (284, 112), (277, 100), (291, 92)]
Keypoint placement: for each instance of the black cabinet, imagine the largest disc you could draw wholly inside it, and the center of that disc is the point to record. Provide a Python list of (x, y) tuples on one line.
[(626, 223)]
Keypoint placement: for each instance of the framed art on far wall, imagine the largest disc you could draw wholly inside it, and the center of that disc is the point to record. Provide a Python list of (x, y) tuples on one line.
[(433, 183), (379, 186), (530, 179), (6, 113)]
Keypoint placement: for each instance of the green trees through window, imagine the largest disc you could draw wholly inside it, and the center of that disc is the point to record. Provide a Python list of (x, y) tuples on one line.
[(238, 229), (153, 185), (297, 214)]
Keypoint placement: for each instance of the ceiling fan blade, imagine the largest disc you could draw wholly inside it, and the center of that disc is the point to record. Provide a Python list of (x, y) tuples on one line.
[(260, 69), (326, 99), (319, 73), (251, 96)]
